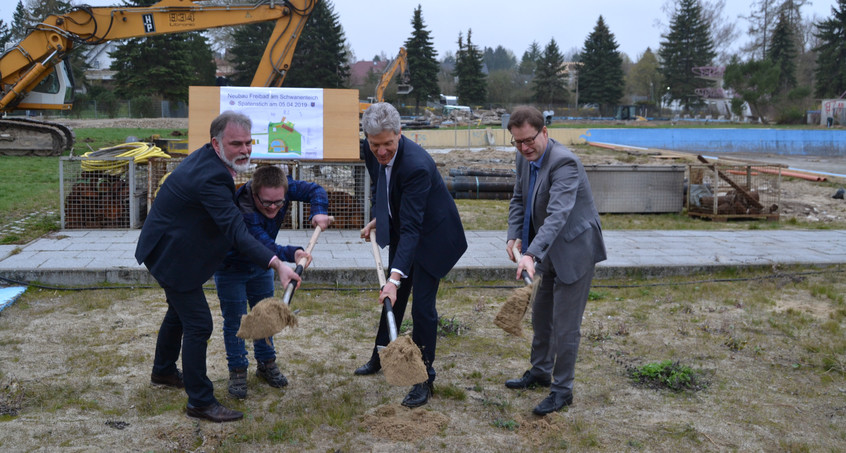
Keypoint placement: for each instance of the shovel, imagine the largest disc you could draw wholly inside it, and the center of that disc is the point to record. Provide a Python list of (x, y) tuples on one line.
[(401, 359), (289, 290), (510, 316), (271, 316)]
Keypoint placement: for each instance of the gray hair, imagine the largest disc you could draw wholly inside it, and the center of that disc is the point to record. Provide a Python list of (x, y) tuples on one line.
[(380, 117), (218, 125)]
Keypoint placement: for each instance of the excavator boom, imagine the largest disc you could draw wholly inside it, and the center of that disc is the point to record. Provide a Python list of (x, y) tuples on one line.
[(399, 65), (31, 61)]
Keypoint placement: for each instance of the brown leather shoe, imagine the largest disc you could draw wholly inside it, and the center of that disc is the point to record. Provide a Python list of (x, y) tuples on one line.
[(171, 380), (214, 412)]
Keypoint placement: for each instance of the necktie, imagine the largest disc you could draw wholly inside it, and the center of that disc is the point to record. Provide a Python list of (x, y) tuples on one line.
[(381, 208), (527, 216)]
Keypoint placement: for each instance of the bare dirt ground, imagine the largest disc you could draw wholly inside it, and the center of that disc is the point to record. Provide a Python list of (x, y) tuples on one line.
[(74, 375)]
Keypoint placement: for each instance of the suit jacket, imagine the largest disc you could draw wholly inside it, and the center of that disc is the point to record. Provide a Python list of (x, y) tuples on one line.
[(425, 229), (565, 219), (193, 223)]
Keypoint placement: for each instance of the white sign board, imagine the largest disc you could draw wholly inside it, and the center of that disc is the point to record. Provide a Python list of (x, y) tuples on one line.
[(287, 122)]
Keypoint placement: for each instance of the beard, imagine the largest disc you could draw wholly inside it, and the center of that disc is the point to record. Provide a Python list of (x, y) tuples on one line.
[(239, 168)]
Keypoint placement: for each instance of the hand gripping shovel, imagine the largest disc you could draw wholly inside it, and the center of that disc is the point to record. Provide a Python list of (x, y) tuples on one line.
[(271, 316), (401, 359), (510, 316)]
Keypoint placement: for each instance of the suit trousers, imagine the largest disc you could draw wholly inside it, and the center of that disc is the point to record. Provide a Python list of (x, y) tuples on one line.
[(424, 314), (187, 323), (557, 319)]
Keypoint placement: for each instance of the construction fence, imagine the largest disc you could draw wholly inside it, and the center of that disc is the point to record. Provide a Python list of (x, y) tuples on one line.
[(117, 192)]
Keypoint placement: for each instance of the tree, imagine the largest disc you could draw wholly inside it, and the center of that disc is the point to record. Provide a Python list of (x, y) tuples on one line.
[(644, 79), (5, 34), (472, 86), (499, 59), (687, 45), (530, 59), (422, 62), (163, 65), (782, 53), (21, 21), (754, 81), (601, 74), (549, 84), (249, 43), (723, 29), (762, 20), (320, 59), (831, 54)]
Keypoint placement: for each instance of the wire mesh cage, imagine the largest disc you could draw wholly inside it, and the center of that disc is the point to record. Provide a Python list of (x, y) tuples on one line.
[(347, 186), (637, 189), (106, 193), (723, 192)]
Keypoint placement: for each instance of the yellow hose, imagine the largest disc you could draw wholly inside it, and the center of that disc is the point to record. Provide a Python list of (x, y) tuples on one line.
[(140, 152)]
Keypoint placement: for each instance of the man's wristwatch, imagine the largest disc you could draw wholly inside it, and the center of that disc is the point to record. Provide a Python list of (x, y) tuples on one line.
[(396, 282)]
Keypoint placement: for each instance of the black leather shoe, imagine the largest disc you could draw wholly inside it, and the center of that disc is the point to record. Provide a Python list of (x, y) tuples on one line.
[(418, 396), (527, 381), (554, 403), (371, 367), (171, 380), (214, 412)]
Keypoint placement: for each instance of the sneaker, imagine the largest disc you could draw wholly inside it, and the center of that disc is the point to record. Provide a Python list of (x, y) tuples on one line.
[(238, 383), (270, 373)]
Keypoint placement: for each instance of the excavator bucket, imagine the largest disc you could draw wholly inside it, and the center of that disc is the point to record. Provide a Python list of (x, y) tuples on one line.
[(404, 89)]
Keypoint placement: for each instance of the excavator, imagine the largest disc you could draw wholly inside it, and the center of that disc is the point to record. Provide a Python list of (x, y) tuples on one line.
[(34, 76), (400, 63)]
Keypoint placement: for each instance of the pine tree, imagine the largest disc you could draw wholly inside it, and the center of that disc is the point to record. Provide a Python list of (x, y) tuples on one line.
[(530, 59), (163, 65), (601, 74), (499, 59), (782, 53), (687, 45), (21, 22), (320, 59), (423, 64), (250, 41), (472, 86), (5, 34), (549, 86), (831, 54)]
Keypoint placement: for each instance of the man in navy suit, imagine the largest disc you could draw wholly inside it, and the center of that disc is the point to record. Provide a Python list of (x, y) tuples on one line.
[(552, 219), (191, 226), (417, 217)]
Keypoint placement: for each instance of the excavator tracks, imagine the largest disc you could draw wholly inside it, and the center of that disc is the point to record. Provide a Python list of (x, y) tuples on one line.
[(28, 137)]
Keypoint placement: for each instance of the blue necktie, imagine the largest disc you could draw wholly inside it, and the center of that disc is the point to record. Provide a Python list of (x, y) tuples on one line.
[(527, 216), (381, 208)]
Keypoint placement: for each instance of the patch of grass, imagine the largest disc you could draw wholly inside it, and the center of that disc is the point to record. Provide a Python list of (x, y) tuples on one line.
[(450, 391), (667, 374), (508, 424), (450, 327)]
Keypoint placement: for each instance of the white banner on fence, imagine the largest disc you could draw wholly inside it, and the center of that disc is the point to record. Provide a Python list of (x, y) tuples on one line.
[(287, 122)]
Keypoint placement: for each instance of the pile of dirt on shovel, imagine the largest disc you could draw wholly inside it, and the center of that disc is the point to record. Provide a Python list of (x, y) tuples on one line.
[(402, 362), (266, 319), (510, 316)]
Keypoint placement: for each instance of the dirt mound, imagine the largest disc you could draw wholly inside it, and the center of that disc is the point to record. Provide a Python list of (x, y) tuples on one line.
[(402, 362), (401, 424)]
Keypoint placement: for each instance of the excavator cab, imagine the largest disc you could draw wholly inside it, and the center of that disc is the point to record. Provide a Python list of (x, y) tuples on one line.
[(55, 92)]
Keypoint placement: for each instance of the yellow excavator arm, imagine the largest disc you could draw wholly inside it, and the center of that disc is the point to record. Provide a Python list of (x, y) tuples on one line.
[(25, 65), (398, 66)]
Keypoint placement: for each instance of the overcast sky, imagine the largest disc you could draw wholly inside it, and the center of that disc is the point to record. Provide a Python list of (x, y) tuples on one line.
[(374, 27)]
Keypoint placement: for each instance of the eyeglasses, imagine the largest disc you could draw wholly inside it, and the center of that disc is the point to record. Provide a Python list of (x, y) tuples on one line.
[(267, 204), (527, 142)]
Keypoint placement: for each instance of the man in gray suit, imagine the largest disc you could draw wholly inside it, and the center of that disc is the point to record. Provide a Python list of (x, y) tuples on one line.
[(554, 223)]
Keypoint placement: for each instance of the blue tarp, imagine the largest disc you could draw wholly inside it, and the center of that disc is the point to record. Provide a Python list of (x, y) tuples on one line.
[(9, 295)]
